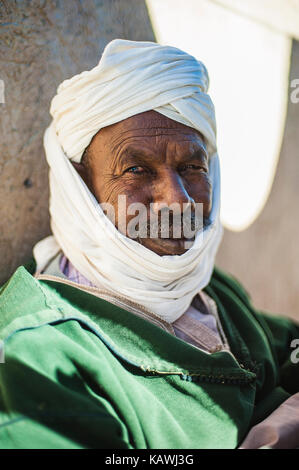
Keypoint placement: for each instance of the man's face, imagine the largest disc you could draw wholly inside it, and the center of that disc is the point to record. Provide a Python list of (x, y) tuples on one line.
[(152, 160)]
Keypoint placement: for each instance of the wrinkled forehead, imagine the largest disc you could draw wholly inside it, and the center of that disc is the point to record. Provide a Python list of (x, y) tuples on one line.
[(145, 125), (151, 120)]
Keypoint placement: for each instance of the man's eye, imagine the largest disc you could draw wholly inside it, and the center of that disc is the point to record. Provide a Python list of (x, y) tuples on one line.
[(135, 169), (192, 167)]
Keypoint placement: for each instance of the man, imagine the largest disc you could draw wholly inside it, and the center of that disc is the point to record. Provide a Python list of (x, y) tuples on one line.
[(120, 336)]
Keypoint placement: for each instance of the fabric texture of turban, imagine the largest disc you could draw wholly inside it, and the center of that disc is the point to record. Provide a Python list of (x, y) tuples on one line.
[(131, 77)]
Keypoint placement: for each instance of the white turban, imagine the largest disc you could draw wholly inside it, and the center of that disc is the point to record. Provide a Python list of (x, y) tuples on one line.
[(131, 77)]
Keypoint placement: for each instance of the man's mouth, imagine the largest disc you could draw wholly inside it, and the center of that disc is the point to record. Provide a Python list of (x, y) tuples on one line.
[(174, 241)]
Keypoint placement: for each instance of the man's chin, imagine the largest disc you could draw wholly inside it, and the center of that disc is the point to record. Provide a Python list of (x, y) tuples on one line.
[(167, 246)]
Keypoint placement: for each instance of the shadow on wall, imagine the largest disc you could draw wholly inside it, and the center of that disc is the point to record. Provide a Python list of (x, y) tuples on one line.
[(43, 45), (265, 257)]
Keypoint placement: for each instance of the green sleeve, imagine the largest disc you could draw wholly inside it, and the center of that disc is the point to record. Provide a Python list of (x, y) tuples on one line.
[(40, 410), (281, 332)]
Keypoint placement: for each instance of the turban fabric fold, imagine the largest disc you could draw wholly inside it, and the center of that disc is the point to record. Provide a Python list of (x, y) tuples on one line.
[(131, 77)]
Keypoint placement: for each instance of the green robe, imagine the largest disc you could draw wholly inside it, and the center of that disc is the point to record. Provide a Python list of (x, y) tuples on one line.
[(80, 372)]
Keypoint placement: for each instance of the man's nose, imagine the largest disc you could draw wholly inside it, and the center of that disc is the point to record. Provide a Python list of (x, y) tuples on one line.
[(170, 189)]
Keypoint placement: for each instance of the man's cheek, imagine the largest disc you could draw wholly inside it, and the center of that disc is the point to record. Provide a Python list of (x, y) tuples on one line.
[(207, 196), (202, 193)]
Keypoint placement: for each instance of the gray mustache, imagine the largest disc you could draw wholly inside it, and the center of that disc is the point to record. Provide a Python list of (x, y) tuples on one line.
[(177, 227)]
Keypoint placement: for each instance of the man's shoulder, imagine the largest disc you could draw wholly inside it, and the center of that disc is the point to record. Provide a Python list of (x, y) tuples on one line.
[(36, 324), (19, 296), (25, 303), (18, 278), (222, 280)]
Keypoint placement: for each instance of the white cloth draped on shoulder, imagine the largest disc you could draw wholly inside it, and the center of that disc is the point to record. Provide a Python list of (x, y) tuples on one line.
[(131, 77)]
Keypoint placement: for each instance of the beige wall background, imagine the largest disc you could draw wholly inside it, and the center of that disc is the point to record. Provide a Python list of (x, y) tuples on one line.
[(265, 257), (41, 44)]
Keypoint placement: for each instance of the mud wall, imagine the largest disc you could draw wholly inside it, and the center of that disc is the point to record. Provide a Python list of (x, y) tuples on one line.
[(41, 44)]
